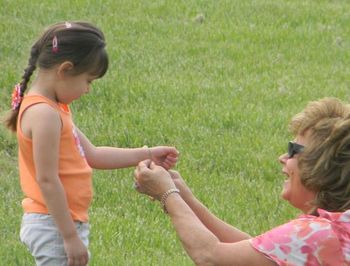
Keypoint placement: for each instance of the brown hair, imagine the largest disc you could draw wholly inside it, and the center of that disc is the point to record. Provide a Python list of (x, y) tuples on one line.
[(325, 163), (78, 42)]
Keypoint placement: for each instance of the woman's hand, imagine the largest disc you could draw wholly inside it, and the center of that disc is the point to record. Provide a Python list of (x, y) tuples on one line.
[(164, 156), (185, 191), (152, 180)]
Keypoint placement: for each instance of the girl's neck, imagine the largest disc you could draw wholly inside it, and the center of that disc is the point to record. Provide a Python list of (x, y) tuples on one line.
[(44, 84)]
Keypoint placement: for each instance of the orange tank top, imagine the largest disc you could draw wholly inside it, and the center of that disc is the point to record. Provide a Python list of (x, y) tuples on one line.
[(74, 172)]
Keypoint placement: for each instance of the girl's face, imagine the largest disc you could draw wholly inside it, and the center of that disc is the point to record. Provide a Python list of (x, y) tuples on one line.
[(73, 86), (293, 190)]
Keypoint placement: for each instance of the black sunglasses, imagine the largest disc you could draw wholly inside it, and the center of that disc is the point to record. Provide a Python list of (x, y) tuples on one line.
[(294, 148)]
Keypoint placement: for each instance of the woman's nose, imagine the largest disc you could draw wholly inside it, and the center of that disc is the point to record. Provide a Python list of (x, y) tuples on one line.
[(283, 158)]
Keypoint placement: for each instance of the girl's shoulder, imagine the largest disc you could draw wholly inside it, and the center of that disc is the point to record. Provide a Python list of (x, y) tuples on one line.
[(36, 114), (39, 107)]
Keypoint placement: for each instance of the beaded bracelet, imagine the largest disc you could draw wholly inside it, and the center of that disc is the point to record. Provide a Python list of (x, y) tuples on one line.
[(166, 195)]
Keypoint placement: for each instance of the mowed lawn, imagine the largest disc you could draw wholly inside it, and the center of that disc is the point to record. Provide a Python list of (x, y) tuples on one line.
[(217, 79)]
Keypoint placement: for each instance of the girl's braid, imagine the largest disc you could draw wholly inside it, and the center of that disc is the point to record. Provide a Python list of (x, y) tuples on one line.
[(34, 54)]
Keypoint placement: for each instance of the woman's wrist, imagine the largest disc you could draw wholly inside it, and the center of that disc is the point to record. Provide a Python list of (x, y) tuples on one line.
[(164, 197)]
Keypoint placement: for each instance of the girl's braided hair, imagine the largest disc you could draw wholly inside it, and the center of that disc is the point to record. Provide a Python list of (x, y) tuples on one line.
[(81, 43)]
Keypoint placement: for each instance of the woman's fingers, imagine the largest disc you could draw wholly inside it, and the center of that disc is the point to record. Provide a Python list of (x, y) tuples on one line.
[(137, 172)]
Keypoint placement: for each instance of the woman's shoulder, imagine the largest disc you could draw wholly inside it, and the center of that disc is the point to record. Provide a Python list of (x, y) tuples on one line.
[(326, 224), (338, 217), (337, 223), (308, 237)]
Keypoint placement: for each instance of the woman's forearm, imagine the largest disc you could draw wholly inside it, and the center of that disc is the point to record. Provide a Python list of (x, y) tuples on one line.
[(223, 231), (203, 246), (197, 240)]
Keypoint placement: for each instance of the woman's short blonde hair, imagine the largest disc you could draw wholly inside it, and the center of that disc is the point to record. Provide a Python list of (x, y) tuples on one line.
[(325, 163)]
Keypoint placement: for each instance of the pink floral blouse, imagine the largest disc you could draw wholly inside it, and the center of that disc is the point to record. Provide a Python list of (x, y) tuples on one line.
[(308, 241)]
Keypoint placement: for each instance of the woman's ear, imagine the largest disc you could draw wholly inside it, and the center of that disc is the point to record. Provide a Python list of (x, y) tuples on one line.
[(64, 68)]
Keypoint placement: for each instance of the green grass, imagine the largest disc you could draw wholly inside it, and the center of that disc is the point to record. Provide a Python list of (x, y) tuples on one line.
[(221, 90)]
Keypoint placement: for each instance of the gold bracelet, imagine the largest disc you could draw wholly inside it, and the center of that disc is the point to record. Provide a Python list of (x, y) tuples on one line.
[(166, 195)]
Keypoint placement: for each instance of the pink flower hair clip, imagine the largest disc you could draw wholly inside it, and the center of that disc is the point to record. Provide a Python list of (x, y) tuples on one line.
[(55, 40), (16, 97)]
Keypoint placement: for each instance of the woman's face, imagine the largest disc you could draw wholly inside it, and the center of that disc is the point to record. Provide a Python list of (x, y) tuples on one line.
[(293, 189)]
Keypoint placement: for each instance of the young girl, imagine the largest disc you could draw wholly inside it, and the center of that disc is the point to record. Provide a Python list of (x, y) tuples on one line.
[(55, 157)]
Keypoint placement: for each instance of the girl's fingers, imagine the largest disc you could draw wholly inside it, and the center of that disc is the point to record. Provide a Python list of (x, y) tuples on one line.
[(166, 166), (171, 158), (170, 161)]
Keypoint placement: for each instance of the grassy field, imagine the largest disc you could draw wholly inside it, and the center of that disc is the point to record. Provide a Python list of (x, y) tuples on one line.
[(217, 79)]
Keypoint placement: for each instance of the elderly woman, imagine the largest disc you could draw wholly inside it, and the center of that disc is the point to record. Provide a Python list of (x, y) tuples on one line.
[(317, 167)]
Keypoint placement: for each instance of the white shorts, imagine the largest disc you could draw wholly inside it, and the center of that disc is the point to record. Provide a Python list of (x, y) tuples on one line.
[(41, 236)]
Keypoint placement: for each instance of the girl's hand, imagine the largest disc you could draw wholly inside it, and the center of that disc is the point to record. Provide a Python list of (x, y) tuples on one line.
[(152, 180), (76, 251), (164, 156)]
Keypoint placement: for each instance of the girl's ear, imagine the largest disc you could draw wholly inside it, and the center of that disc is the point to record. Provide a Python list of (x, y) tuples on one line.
[(64, 68)]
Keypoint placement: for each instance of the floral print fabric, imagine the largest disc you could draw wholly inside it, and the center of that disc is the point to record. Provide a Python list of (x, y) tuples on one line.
[(308, 241)]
